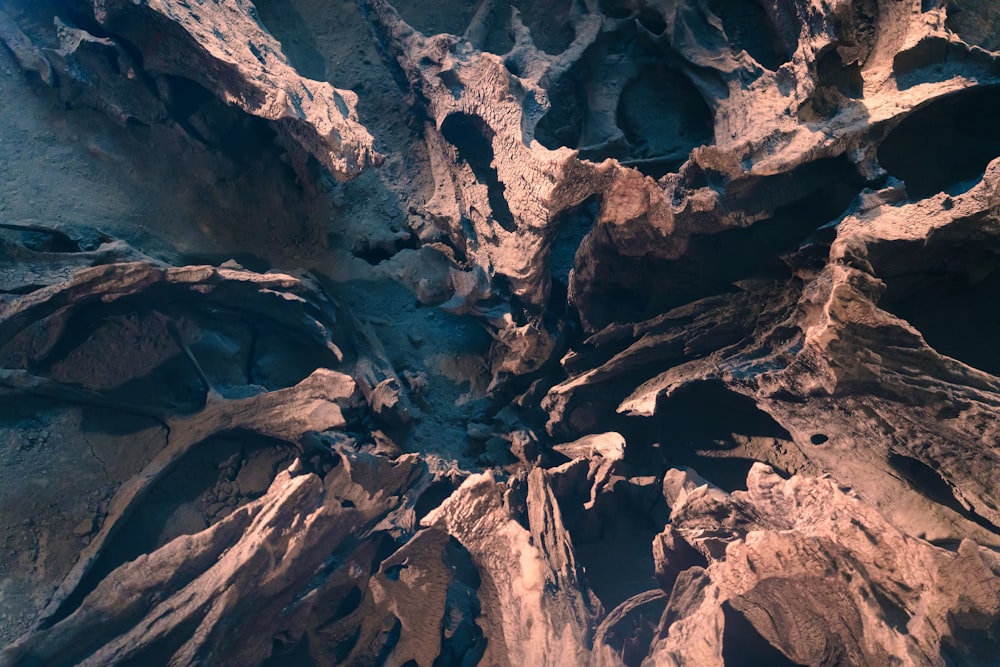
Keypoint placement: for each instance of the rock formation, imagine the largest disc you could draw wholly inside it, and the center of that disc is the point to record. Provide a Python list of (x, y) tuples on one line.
[(596, 332)]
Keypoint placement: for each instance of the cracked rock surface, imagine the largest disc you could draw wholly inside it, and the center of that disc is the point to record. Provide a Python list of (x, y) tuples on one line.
[(583, 332)]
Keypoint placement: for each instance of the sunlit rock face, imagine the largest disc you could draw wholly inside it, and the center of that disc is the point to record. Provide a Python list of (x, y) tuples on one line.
[(604, 332)]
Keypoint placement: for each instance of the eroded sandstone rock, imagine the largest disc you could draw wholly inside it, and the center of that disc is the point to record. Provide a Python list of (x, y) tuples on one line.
[(737, 262)]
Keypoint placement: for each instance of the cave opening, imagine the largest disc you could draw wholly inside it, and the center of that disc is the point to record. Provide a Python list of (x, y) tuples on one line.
[(473, 140), (463, 641), (954, 310), (628, 100), (750, 29), (562, 124), (549, 23), (929, 483), (715, 431), (376, 254), (634, 633), (663, 117), (572, 226), (611, 542), (744, 646), (945, 145), (837, 84), (633, 289)]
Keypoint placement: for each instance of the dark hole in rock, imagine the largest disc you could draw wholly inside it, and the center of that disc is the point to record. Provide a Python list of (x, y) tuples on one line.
[(975, 21), (435, 494), (393, 571), (895, 614), (945, 145), (663, 117), (651, 20), (391, 640), (281, 358), (244, 139), (712, 429), (296, 655), (548, 21), (636, 632), (184, 97), (729, 473), (256, 182), (562, 125), (632, 289), (833, 72), (343, 648), (929, 482), (348, 604), (612, 542), (819, 439), (463, 567), (410, 663), (41, 241), (572, 226), (462, 639), (956, 314), (744, 646), (347, 504), (749, 28), (973, 639), (385, 546), (659, 114), (216, 477), (377, 254), (472, 138)]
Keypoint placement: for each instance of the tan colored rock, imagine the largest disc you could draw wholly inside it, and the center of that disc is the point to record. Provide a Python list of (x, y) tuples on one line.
[(224, 47), (820, 576)]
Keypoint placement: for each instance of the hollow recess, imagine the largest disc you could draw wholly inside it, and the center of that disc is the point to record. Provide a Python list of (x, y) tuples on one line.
[(663, 117), (612, 544), (975, 21), (749, 28), (707, 427), (473, 140), (548, 22), (837, 83), (945, 145), (744, 646), (462, 639), (931, 484), (632, 636), (572, 226), (632, 289), (956, 312), (626, 100)]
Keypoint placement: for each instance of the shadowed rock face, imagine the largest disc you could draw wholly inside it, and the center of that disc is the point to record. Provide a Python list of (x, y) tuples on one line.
[(577, 333)]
